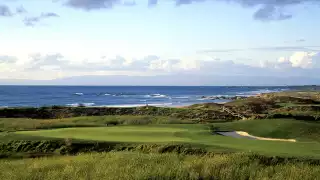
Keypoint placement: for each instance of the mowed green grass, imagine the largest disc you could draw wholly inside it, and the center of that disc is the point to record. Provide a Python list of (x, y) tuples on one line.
[(174, 133), (116, 133)]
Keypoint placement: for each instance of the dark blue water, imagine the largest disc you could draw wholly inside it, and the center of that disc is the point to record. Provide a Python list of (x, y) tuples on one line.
[(13, 96)]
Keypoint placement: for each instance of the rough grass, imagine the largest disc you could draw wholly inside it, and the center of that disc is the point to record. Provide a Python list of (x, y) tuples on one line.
[(138, 166), (67, 112), (18, 124), (299, 112), (193, 134), (276, 128), (302, 95)]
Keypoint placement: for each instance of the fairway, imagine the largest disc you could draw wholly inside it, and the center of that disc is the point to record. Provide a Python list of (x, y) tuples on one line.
[(195, 134), (117, 133)]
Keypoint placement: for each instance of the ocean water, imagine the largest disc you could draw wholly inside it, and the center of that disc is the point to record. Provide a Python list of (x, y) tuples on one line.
[(120, 96)]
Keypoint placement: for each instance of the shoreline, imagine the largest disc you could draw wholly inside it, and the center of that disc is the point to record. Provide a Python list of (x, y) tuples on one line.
[(217, 99), (118, 106)]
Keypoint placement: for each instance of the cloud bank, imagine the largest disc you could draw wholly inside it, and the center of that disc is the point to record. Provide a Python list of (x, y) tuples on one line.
[(299, 63)]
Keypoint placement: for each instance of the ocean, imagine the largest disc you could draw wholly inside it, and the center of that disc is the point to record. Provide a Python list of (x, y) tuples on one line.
[(122, 96)]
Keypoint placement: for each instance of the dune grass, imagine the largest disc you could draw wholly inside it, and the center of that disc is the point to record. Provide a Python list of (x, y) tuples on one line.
[(18, 124), (126, 165)]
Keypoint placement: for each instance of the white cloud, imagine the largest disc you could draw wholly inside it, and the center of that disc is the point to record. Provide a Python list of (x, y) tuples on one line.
[(302, 60), (55, 65)]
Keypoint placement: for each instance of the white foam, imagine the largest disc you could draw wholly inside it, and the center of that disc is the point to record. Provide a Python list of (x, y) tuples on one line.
[(137, 105), (80, 104), (181, 97), (155, 96), (158, 95), (261, 91), (124, 105), (79, 94)]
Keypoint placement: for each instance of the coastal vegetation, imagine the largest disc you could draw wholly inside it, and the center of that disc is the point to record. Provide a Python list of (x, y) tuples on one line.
[(165, 143), (129, 165)]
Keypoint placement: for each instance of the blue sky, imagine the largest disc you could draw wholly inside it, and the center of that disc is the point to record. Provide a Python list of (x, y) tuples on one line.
[(56, 39)]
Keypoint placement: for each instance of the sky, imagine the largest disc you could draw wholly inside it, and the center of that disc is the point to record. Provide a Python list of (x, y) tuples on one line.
[(56, 39)]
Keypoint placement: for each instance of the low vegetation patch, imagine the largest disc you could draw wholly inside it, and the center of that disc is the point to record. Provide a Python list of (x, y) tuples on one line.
[(19, 124), (67, 112)]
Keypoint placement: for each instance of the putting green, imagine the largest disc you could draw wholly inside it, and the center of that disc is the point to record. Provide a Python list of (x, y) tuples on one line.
[(195, 134), (117, 133)]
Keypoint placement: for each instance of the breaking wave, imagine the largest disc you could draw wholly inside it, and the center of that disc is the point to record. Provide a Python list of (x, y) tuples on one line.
[(81, 104)]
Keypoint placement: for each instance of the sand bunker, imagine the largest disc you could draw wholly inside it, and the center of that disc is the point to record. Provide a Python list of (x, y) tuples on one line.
[(241, 134)]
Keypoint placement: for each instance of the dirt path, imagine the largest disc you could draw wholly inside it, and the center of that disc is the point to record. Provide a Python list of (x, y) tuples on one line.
[(242, 134)]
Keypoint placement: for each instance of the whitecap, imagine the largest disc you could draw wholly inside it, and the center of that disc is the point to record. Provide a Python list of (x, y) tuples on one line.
[(136, 105), (81, 104), (79, 94), (124, 105), (158, 95), (182, 97), (155, 96), (261, 91)]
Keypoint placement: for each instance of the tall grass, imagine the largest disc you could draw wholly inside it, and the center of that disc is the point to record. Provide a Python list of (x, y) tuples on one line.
[(128, 165), (17, 124)]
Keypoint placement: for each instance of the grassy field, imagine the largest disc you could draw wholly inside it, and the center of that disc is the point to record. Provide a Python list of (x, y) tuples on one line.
[(126, 165), (196, 134), (164, 143)]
